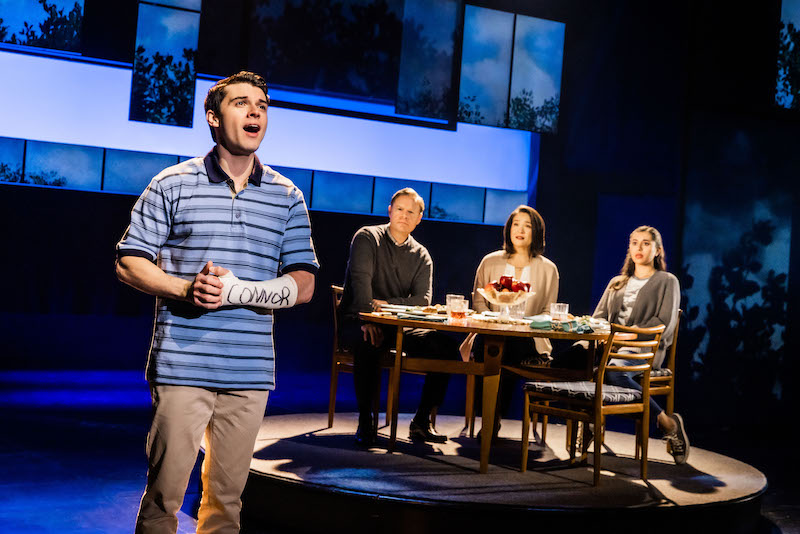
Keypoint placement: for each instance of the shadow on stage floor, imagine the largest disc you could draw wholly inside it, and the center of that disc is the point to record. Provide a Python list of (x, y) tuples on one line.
[(299, 460)]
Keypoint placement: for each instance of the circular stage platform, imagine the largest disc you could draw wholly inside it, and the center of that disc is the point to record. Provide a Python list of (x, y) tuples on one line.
[(310, 478)]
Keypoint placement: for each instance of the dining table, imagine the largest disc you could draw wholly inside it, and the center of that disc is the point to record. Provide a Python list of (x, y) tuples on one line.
[(494, 334)]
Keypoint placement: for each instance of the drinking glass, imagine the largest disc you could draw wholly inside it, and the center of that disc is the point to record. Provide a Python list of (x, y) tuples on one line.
[(456, 307), (559, 311), (517, 311)]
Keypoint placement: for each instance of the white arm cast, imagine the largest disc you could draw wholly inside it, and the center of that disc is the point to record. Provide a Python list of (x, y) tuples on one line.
[(272, 294)]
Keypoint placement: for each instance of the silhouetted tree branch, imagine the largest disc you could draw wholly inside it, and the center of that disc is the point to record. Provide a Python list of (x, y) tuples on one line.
[(60, 31), (787, 90), (163, 89), (745, 326)]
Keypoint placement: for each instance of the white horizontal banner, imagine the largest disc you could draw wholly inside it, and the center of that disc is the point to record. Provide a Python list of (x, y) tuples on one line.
[(74, 102)]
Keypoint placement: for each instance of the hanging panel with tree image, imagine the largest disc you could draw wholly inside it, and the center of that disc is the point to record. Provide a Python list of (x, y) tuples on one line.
[(736, 250), (338, 191), (427, 58), (457, 202), (536, 74), (193, 5), (163, 85), (55, 24), (62, 165), (521, 93), (485, 66), (334, 47), (787, 89), (386, 187), (12, 152), (128, 171)]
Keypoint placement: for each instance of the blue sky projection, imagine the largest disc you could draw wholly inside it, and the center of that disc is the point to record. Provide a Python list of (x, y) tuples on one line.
[(500, 203), (433, 15), (11, 151), (511, 70), (334, 191), (194, 5), (790, 14), (486, 61), (456, 203), (130, 172), (15, 12), (79, 166), (386, 187), (167, 31), (538, 56)]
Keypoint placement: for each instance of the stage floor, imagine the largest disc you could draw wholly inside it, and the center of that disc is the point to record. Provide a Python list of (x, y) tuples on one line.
[(297, 454)]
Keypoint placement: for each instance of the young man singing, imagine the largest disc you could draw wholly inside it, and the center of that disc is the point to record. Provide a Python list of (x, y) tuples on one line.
[(209, 238)]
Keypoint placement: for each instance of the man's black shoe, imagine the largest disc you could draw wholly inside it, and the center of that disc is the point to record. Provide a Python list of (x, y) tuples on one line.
[(366, 436), (425, 432)]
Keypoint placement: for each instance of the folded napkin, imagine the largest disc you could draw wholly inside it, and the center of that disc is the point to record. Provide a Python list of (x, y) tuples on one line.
[(540, 322), (572, 326)]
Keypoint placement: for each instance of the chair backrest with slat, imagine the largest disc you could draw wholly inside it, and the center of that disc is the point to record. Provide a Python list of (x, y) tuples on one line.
[(669, 361), (642, 349)]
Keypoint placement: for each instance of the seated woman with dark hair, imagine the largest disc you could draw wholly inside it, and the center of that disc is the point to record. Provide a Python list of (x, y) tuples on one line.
[(644, 294), (520, 258)]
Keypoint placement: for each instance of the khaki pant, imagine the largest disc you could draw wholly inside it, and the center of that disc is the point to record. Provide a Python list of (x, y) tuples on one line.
[(181, 415)]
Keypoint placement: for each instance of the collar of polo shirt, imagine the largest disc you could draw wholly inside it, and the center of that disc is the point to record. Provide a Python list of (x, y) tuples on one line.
[(217, 175)]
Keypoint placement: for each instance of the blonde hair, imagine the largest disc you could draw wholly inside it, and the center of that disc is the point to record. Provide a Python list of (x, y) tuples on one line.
[(407, 191)]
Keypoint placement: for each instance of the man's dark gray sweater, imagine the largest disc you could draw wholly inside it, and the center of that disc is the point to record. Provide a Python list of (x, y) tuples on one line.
[(381, 269)]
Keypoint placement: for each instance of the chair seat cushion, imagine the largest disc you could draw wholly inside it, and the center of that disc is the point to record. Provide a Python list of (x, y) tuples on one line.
[(585, 391), (661, 372)]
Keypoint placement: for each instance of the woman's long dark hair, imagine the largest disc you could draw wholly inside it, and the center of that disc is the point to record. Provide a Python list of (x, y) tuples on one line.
[(537, 231), (659, 262)]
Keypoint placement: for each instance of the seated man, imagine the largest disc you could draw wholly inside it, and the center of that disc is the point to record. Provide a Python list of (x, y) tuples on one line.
[(387, 265)]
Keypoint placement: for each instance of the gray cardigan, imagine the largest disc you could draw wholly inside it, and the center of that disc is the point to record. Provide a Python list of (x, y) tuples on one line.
[(656, 304)]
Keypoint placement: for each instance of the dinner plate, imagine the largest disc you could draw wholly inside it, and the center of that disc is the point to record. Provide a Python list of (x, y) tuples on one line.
[(395, 308), (494, 317), (433, 317)]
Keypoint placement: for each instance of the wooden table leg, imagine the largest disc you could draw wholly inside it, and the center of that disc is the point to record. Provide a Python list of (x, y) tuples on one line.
[(469, 409), (395, 388), (493, 354), (591, 359)]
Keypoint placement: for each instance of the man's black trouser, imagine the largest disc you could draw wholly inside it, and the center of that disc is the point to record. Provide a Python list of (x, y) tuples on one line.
[(417, 343)]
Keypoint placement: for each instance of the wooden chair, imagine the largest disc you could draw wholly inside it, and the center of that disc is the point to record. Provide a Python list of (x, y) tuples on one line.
[(662, 380), (342, 362), (590, 402), (421, 366)]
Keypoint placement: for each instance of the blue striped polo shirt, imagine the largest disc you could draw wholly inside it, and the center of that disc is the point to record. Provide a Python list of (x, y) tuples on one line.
[(189, 215)]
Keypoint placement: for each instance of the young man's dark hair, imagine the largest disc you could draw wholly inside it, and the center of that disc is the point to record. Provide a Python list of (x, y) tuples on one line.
[(216, 94)]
